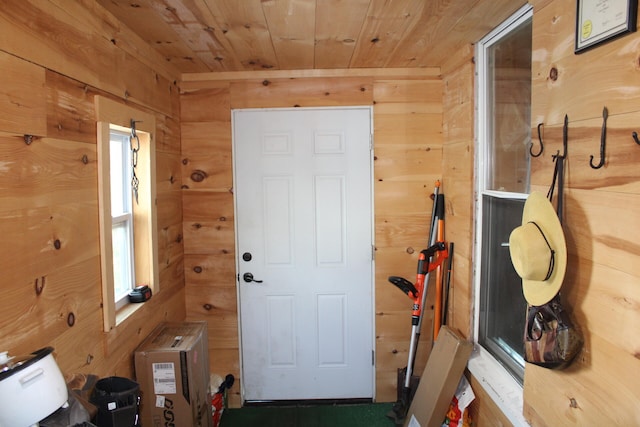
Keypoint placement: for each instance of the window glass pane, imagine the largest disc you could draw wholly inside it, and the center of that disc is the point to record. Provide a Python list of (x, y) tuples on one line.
[(503, 305), (120, 169), (509, 104), (122, 274)]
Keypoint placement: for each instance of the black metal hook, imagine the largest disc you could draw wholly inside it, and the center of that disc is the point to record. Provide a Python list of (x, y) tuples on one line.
[(603, 140), (541, 144), (565, 137), (634, 134)]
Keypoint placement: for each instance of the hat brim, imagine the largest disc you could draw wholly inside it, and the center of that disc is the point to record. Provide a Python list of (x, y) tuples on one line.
[(539, 209)]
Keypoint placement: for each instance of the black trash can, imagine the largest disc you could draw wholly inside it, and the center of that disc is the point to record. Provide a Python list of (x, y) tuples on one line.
[(117, 400)]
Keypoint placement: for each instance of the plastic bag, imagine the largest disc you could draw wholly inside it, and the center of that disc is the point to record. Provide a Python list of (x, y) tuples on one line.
[(458, 414)]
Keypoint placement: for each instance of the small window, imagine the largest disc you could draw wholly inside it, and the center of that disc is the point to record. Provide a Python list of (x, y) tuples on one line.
[(503, 166), (128, 231), (122, 231)]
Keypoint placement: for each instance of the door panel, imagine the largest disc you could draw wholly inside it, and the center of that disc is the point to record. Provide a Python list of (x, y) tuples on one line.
[(304, 212)]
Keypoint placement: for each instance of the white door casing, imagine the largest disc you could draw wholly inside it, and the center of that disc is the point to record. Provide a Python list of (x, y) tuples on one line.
[(303, 194)]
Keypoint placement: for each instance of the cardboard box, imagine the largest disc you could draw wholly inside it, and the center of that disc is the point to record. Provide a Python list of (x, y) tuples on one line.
[(439, 380), (172, 368)]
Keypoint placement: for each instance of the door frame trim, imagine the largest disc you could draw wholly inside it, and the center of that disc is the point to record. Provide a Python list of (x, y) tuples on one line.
[(369, 108)]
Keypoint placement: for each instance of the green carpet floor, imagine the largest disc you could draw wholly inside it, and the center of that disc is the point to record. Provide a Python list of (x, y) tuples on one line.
[(357, 415)]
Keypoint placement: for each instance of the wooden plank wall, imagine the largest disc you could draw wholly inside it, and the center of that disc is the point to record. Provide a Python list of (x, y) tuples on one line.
[(54, 62), (408, 147), (601, 207), (601, 212)]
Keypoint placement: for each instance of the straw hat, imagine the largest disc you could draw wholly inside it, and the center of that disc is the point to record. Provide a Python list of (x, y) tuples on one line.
[(539, 251)]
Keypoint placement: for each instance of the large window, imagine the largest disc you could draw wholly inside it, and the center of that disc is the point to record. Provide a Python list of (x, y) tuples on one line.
[(128, 229), (503, 166)]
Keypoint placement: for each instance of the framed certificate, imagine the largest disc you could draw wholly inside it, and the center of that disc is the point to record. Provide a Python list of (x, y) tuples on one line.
[(598, 21)]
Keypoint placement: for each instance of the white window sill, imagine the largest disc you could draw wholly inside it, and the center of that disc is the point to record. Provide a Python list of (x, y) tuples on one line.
[(503, 389)]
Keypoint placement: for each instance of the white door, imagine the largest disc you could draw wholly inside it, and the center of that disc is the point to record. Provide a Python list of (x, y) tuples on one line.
[(303, 190)]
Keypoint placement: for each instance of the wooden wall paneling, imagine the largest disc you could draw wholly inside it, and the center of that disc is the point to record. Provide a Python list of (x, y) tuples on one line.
[(458, 164), (602, 229), (70, 109), (61, 300), (403, 231), (168, 139), (211, 172), (310, 92), (48, 196), (621, 153), (461, 294), (602, 268), (168, 172), (45, 239), (169, 206), (560, 77), (395, 261), (202, 137), (208, 222), (458, 188), (412, 96), (56, 40), (204, 104), (93, 15), (215, 270), (170, 247), (407, 163), (23, 107), (208, 205), (218, 305), (27, 178), (170, 233), (577, 397), (483, 411), (208, 236)]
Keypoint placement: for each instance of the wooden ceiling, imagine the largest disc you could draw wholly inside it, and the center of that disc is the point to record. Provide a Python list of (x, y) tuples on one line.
[(241, 35)]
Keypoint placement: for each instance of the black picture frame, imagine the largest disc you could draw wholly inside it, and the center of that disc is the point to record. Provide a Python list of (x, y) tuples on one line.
[(600, 21)]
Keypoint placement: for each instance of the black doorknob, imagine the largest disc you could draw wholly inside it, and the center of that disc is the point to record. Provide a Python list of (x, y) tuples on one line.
[(248, 277)]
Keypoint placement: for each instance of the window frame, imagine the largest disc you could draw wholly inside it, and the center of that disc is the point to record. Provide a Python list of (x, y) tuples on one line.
[(113, 115), (495, 379), (124, 219)]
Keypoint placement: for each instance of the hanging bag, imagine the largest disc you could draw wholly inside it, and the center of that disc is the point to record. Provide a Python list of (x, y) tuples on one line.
[(551, 339)]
